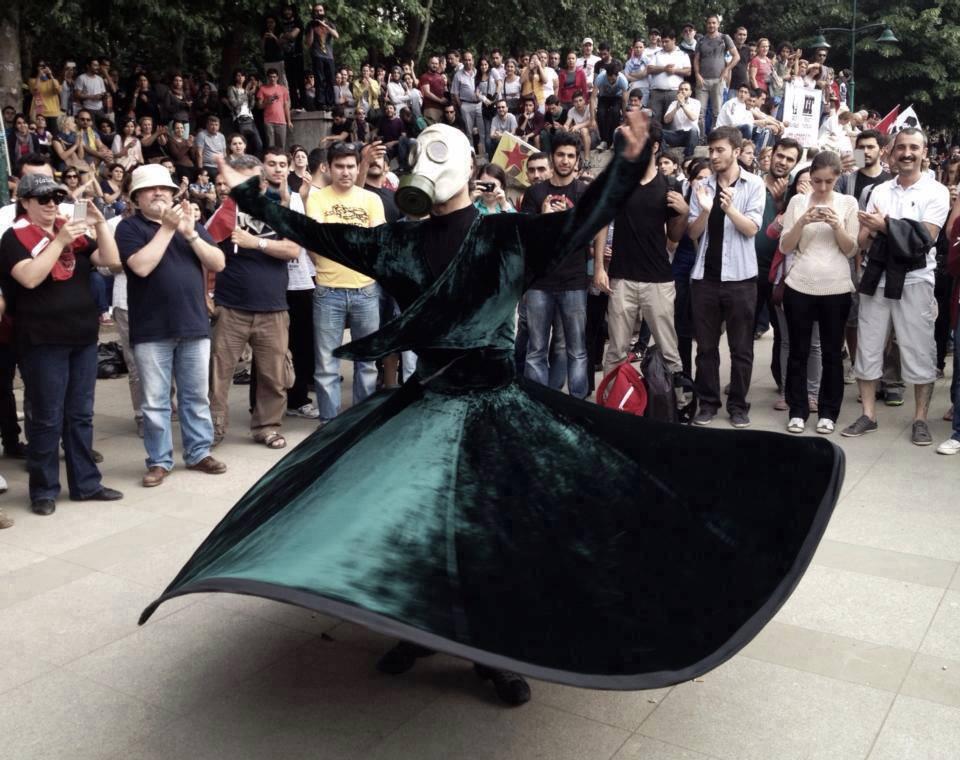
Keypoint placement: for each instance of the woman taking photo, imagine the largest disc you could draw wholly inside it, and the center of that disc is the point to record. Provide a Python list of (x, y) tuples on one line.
[(144, 101), (67, 145), (820, 229), (46, 95), (126, 146), (488, 195), (56, 330)]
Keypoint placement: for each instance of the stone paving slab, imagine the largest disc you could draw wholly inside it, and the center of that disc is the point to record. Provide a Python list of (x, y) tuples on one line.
[(862, 663)]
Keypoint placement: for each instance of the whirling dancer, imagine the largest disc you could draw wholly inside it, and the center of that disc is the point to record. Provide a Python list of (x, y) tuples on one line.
[(478, 514)]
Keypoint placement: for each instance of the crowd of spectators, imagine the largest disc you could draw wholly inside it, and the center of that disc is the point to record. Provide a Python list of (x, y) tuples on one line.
[(735, 227)]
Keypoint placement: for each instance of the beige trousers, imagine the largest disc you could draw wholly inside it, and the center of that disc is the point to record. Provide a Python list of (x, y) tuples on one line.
[(632, 301)]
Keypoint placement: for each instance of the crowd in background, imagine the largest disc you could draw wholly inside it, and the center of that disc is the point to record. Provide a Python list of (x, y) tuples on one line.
[(734, 228)]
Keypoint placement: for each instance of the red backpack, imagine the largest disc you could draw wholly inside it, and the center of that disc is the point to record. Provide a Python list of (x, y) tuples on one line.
[(623, 388)]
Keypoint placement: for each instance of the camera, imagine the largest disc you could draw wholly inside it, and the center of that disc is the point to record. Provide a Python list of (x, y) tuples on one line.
[(486, 187)]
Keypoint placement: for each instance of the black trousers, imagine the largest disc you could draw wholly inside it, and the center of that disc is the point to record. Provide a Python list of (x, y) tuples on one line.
[(9, 427), (324, 75), (596, 333), (716, 303), (830, 312), (293, 67), (609, 116), (300, 308)]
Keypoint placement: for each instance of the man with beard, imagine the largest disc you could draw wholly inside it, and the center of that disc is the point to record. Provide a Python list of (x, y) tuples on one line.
[(562, 292), (164, 253), (785, 156), (251, 300), (860, 184), (916, 196), (726, 211), (640, 282)]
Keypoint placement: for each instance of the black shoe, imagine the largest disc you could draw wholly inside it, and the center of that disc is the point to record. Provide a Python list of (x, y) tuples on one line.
[(512, 689), (43, 507), (16, 450), (401, 658), (97, 456), (241, 377), (104, 494)]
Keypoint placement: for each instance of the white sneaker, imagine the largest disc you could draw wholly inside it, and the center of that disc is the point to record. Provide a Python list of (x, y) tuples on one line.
[(796, 425), (307, 411), (825, 426), (949, 446), (3, 484)]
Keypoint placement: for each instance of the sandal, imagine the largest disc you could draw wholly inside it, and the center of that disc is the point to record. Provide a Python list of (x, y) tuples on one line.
[(274, 441)]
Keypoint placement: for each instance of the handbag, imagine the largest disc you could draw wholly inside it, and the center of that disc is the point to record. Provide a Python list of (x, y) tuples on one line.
[(623, 388)]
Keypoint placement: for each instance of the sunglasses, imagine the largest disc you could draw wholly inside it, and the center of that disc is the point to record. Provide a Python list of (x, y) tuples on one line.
[(71, 176), (47, 198)]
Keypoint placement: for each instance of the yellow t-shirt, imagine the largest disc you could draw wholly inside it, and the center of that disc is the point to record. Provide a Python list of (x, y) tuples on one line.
[(359, 207), (49, 94)]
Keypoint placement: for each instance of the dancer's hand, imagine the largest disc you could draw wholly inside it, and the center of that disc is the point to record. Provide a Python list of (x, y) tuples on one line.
[(635, 131)]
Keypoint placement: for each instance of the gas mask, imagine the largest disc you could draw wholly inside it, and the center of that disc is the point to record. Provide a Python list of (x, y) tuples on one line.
[(440, 160)]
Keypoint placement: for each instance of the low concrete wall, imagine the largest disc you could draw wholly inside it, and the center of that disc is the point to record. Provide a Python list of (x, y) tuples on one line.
[(309, 127)]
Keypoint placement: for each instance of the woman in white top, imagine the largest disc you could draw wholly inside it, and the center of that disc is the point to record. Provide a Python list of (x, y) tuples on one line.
[(820, 229), (126, 146)]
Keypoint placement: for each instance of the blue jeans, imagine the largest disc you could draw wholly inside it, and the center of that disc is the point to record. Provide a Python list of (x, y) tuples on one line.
[(572, 308), (186, 360), (102, 289), (687, 139), (558, 350), (335, 309), (59, 384)]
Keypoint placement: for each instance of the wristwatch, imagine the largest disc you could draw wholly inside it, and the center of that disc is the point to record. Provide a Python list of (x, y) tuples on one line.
[(262, 244)]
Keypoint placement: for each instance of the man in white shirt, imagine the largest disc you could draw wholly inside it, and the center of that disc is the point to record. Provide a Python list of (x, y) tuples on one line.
[(736, 113), (587, 62), (669, 67), (680, 122), (503, 121), (90, 89), (635, 70), (911, 195)]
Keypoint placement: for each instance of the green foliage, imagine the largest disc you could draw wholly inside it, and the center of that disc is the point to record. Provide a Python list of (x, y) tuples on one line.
[(924, 69)]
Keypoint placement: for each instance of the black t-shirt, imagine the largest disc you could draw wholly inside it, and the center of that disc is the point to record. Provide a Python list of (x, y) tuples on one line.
[(713, 260), (252, 280), (170, 302), (56, 312), (390, 211), (271, 49), (738, 74), (571, 273), (639, 235), (862, 182)]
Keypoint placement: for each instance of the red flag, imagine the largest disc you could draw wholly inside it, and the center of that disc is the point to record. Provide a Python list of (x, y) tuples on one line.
[(223, 221), (883, 126)]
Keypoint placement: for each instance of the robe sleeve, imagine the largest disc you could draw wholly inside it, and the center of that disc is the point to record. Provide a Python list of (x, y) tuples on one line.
[(548, 239), (355, 247)]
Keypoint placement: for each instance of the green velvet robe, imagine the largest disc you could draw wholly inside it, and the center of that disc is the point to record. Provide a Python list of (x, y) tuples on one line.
[(495, 519)]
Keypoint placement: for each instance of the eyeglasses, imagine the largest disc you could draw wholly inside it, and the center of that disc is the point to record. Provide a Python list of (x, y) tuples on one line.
[(47, 198), (71, 176)]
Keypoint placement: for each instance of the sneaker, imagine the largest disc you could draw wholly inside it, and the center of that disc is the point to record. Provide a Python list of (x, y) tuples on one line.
[(893, 396), (106, 320), (5, 522), (307, 411), (796, 425), (704, 417), (862, 426), (3, 484), (825, 426), (780, 404), (949, 446), (512, 688), (921, 433), (739, 419), (848, 377), (812, 404)]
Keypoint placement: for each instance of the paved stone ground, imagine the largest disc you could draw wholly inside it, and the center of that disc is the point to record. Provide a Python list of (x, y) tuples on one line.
[(862, 662)]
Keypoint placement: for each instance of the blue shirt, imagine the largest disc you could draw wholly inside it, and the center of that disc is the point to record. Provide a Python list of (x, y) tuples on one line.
[(739, 253), (170, 302), (607, 90)]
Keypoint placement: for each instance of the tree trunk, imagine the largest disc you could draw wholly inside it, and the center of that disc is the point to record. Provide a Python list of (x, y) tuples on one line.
[(425, 31), (10, 82)]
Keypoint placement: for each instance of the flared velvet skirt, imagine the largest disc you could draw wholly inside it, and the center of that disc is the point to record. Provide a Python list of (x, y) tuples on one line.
[(526, 530)]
